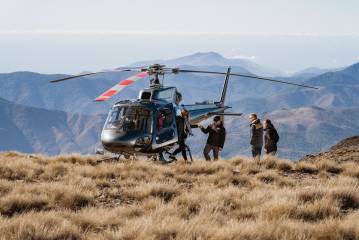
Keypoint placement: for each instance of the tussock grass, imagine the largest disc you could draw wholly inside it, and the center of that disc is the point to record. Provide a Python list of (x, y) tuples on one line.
[(284, 165), (304, 167), (72, 197), (329, 166)]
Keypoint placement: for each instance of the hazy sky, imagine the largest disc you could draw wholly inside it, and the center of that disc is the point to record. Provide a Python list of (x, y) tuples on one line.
[(76, 35)]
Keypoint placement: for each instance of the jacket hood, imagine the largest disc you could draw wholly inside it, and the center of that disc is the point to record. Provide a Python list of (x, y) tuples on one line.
[(269, 127)]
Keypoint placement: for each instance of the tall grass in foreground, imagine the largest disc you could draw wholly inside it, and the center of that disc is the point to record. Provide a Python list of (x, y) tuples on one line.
[(72, 197)]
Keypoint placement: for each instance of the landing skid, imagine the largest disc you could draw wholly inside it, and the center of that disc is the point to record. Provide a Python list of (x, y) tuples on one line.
[(115, 158), (109, 159)]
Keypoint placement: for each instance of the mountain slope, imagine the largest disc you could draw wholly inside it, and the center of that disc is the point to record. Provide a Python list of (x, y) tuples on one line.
[(345, 151), (31, 129)]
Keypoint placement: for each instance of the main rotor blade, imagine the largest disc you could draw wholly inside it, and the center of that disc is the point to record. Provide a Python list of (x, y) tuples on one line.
[(247, 76), (120, 69), (121, 85)]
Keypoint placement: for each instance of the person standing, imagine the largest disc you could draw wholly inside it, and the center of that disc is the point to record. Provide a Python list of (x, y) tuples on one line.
[(256, 136), (184, 128), (271, 137), (216, 138)]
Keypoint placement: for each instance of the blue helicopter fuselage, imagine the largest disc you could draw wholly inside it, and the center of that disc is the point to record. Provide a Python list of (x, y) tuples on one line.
[(148, 125)]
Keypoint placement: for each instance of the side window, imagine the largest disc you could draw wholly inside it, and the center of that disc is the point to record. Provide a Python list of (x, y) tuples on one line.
[(165, 129), (146, 95), (164, 118)]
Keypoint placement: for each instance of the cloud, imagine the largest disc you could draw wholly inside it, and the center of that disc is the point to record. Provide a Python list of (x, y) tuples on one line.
[(237, 53), (244, 57)]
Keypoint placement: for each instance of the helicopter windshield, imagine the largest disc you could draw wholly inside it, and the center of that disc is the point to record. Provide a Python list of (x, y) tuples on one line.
[(130, 119)]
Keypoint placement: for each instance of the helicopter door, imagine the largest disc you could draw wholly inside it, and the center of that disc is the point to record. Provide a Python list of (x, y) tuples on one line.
[(166, 130)]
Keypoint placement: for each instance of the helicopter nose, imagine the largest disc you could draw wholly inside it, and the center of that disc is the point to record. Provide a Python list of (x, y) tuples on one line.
[(111, 138), (117, 146), (117, 142)]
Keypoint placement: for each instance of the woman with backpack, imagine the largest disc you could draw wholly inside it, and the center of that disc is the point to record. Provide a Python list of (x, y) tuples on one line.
[(271, 138)]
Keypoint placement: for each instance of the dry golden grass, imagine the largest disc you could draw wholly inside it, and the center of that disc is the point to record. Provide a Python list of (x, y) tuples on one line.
[(72, 197)]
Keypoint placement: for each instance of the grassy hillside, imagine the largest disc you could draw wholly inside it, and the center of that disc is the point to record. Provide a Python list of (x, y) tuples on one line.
[(73, 197)]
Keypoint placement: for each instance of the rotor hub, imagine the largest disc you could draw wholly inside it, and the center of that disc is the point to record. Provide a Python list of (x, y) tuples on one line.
[(155, 71)]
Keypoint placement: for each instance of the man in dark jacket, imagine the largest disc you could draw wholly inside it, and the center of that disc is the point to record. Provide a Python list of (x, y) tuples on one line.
[(256, 135), (216, 137), (271, 137)]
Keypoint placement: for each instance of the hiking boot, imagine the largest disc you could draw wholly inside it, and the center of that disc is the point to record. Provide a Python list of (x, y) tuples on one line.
[(172, 157)]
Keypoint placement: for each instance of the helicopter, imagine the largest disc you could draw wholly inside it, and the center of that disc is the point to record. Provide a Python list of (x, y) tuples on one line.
[(147, 125)]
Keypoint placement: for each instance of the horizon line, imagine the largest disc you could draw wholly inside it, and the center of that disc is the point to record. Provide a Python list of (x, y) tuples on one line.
[(175, 33)]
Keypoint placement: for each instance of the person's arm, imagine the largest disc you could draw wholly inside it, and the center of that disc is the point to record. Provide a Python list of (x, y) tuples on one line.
[(206, 130), (223, 139), (253, 128), (188, 126)]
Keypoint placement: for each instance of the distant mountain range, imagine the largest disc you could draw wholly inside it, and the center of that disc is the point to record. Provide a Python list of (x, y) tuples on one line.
[(30, 129), (308, 120), (313, 72), (336, 89)]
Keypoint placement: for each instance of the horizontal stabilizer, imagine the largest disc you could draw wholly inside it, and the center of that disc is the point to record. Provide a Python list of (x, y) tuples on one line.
[(225, 114)]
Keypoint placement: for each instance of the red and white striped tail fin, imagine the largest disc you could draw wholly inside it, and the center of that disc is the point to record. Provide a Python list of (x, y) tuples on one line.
[(121, 85)]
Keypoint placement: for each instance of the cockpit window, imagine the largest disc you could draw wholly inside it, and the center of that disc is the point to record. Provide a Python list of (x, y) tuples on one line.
[(130, 119), (166, 94)]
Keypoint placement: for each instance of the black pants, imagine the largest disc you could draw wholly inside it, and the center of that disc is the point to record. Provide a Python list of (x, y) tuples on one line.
[(181, 148), (256, 151), (271, 149), (209, 148)]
